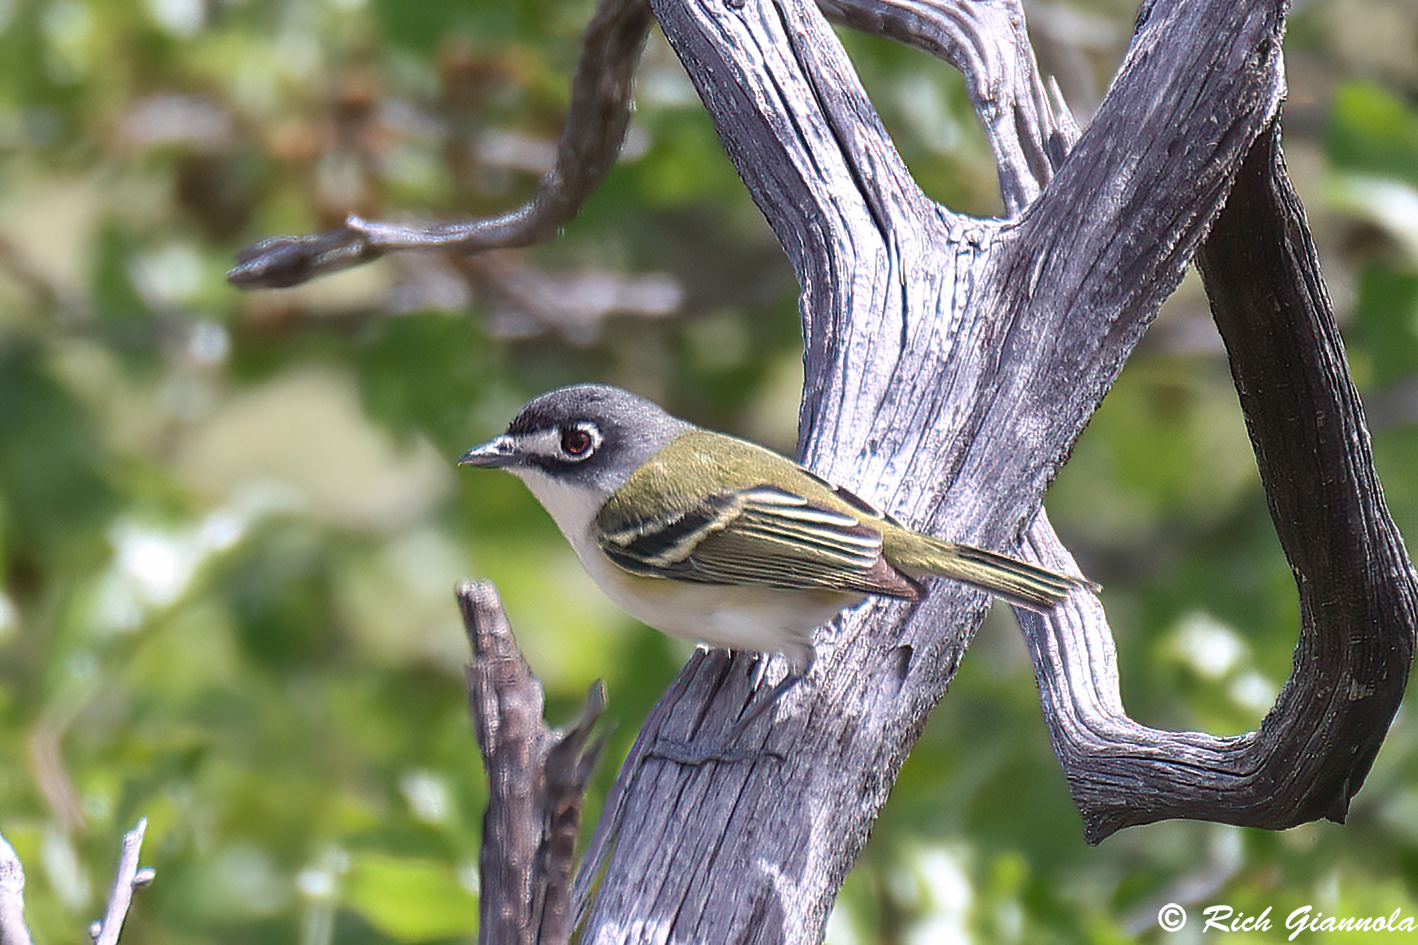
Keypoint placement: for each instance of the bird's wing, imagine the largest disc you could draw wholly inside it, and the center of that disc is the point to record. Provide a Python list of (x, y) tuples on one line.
[(761, 535)]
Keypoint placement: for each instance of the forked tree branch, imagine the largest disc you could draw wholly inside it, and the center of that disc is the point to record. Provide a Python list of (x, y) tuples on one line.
[(1313, 749), (1028, 126), (950, 364), (537, 783)]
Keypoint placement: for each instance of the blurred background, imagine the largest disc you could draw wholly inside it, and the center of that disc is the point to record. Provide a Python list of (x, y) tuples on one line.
[(230, 523)]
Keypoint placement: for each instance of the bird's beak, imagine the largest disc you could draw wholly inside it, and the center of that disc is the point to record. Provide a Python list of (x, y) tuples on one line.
[(494, 454)]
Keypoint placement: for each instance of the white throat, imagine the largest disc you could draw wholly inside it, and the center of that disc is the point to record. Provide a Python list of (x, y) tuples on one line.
[(571, 506)]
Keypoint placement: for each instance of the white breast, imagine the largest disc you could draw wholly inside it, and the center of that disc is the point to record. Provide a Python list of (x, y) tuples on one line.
[(738, 617)]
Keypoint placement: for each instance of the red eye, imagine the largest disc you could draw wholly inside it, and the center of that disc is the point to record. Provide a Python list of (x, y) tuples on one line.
[(577, 441)]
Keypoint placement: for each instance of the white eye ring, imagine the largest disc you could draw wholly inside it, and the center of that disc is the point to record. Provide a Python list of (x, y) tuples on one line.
[(579, 441)]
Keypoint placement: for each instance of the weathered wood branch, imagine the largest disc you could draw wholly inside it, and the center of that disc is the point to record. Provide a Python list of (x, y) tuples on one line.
[(537, 783), (1315, 746), (950, 364), (1029, 128), (1358, 590)]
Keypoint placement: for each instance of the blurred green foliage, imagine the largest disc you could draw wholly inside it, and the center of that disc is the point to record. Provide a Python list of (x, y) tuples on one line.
[(230, 523)]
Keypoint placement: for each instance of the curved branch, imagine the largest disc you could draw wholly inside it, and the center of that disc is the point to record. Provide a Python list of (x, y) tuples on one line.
[(1312, 751), (1358, 590), (596, 123)]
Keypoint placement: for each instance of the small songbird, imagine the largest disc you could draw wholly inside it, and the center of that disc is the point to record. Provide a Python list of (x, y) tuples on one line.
[(713, 539)]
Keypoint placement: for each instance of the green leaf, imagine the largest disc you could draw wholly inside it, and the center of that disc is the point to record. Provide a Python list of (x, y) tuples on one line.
[(279, 590), (424, 372), (1372, 131), (411, 900), (1387, 322), (50, 455)]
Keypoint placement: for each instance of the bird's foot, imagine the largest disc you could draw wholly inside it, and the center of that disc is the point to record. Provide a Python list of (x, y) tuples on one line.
[(702, 751)]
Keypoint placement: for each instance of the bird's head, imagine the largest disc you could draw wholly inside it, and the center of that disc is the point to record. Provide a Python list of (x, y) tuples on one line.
[(589, 437)]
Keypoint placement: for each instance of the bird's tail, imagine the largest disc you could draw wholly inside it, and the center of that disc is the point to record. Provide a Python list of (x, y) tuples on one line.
[(1017, 582)]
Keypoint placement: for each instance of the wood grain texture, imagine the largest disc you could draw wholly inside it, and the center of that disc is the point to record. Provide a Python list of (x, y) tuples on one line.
[(950, 365), (1358, 591), (1026, 122), (536, 784)]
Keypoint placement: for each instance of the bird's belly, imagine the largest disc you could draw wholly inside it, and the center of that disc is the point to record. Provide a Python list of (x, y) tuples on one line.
[(736, 616)]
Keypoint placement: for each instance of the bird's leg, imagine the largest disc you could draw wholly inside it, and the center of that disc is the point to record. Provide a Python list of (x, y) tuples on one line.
[(760, 669), (701, 751), (763, 704)]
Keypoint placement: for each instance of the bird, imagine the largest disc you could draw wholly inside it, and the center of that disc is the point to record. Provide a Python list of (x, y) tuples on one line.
[(722, 542)]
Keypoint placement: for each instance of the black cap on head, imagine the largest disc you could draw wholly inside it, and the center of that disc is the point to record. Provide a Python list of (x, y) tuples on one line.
[(599, 403), (587, 433)]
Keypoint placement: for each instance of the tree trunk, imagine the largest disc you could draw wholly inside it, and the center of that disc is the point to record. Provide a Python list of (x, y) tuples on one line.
[(950, 365)]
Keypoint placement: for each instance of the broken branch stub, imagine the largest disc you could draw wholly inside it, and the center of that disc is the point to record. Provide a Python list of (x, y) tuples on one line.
[(537, 780)]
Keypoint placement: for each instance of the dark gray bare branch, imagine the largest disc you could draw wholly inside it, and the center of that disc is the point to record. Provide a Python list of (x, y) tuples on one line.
[(537, 780), (596, 123), (1358, 590)]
